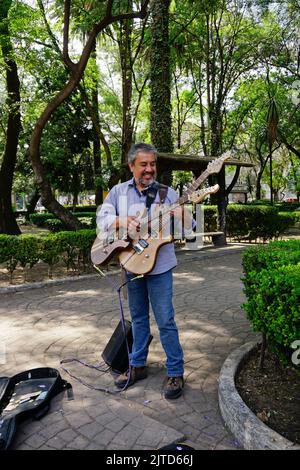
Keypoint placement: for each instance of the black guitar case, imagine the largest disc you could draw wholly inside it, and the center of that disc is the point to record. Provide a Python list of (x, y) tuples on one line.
[(25, 395)]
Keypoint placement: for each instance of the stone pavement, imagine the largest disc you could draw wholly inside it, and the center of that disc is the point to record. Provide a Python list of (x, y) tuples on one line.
[(40, 327)]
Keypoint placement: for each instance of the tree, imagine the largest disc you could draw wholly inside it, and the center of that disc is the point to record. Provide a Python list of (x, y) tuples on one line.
[(8, 222), (160, 80), (131, 39), (219, 48), (76, 73)]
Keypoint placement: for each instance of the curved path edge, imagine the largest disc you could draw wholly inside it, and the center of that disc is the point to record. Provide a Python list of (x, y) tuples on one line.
[(248, 430)]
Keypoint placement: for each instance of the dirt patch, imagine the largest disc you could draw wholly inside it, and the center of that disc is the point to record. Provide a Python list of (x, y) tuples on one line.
[(272, 394), (39, 273)]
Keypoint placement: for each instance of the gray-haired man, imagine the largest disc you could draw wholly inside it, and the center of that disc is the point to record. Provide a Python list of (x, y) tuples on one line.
[(155, 288)]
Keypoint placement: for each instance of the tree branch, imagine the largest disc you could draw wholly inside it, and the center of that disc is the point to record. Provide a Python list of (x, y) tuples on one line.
[(66, 32), (49, 30), (109, 6), (96, 124), (289, 146), (140, 41), (234, 180)]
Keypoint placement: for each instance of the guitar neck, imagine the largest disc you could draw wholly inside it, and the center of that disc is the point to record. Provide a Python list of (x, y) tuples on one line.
[(193, 186), (159, 221)]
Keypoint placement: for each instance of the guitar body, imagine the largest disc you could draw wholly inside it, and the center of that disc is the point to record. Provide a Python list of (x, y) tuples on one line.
[(142, 262), (102, 252)]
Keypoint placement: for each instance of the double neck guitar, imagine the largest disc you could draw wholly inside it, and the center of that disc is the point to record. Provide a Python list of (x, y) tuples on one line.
[(138, 255)]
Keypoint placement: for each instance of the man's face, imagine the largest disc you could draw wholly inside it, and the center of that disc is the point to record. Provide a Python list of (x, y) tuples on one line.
[(144, 168)]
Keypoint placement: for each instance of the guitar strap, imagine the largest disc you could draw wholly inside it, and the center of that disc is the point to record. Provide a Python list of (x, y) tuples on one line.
[(163, 191), (152, 191)]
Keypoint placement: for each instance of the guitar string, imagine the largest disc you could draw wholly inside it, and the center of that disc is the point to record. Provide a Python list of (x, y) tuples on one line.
[(191, 188), (174, 206)]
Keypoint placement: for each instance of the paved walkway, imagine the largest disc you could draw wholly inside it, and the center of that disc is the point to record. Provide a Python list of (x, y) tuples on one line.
[(42, 326)]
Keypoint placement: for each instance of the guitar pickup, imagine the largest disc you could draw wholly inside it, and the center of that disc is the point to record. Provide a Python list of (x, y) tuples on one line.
[(143, 243), (138, 248)]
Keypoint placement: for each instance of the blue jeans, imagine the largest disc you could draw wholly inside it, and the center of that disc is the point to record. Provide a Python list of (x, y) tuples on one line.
[(157, 288)]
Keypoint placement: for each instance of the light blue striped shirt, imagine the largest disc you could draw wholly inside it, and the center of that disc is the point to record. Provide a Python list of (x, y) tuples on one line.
[(125, 200)]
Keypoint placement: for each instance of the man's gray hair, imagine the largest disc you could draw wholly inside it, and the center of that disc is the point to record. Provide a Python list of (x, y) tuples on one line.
[(140, 147)]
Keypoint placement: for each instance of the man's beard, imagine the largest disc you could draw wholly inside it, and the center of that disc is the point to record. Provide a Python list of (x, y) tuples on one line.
[(146, 183)]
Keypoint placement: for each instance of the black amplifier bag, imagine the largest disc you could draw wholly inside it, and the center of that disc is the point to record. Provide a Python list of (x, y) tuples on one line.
[(25, 395), (115, 353)]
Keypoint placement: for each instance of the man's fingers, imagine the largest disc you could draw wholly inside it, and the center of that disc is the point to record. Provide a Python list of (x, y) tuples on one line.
[(133, 228)]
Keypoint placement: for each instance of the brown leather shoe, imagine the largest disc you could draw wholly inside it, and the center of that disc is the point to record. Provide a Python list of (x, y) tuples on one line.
[(174, 387), (136, 373)]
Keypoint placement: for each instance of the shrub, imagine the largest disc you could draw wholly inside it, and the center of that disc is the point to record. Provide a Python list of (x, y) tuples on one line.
[(74, 244), (50, 252), (274, 308), (210, 218), (84, 240), (288, 206), (272, 287), (91, 208), (53, 224), (88, 222), (252, 222), (40, 219), (28, 253), (72, 247), (9, 248)]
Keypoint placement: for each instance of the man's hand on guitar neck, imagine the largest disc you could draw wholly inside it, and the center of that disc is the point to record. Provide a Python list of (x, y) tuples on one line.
[(180, 211)]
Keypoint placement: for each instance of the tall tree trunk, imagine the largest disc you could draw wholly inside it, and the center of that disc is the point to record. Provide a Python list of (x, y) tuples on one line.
[(160, 82), (258, 185), (125, 50), (33, 202), (220, 240), (8, 222), (214, 121), (96, 137), (97, 169), (75, 199)]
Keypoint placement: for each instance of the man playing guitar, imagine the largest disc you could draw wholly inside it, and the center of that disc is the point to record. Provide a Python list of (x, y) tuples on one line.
[(156, 287)]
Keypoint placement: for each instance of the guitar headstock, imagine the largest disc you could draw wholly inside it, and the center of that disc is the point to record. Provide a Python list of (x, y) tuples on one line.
[(216, 165), (198, 196)]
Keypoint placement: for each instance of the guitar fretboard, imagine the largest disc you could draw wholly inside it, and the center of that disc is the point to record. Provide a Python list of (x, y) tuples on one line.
[(159, 222)]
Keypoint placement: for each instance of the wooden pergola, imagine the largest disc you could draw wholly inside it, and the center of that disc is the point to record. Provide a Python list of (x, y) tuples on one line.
[(194, 163), (167, 162)]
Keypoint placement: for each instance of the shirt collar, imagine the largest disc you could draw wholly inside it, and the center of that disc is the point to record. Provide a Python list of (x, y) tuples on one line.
[(132, 183)]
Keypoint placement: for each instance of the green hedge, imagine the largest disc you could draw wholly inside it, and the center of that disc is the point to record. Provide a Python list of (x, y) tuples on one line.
[(26, 250), (92, 208), (288, 206), (48, 220), (272, 288), (42, 219), (253, 222), (284, 206), (210, 218), (9, 248), (248, 222)]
